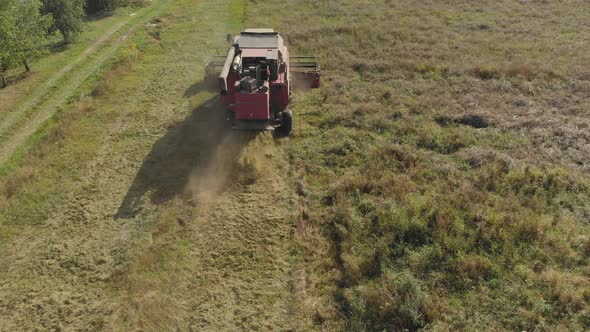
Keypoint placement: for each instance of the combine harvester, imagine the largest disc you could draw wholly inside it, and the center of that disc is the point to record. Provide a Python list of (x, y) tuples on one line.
[(256, 78)]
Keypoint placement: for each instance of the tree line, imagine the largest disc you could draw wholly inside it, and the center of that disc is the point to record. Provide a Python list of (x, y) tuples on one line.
[(26, 24)]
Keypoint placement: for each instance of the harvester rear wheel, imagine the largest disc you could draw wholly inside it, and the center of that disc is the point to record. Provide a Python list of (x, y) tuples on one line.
[(286, 123)]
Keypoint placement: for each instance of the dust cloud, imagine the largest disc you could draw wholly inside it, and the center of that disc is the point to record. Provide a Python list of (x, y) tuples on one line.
[(239, 160)]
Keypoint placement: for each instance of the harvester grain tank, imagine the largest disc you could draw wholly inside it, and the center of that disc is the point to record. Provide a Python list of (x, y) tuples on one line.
[(256, 77)]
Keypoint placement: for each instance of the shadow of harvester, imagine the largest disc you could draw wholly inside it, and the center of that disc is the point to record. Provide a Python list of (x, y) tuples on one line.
[(208, 84), (198, 151)]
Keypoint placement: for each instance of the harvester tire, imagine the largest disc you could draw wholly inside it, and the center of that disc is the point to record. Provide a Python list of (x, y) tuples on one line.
[(286, 123)]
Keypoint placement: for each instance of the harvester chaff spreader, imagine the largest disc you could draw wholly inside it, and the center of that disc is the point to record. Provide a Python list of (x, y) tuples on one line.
[(256, 77)]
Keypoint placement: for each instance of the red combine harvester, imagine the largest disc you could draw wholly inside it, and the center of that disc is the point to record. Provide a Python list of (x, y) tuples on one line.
[(256, 80)]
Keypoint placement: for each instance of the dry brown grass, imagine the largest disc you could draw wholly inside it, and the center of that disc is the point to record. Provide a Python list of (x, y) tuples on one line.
[(446, 147)]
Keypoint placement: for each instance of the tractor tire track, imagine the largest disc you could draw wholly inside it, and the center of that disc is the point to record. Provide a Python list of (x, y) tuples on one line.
[(20, 132)]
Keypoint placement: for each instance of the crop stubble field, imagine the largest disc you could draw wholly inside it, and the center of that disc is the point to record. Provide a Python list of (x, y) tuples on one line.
[(437, 180)]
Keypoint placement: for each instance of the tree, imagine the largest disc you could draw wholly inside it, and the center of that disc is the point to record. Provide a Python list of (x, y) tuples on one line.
[(22, 30), (67, 16), (93, 6), (7, 26), (30, 30), (111, 5)]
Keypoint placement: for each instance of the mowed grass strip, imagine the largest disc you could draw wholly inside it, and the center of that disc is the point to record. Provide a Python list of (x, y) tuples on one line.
[(441, 169), (100, 202), (218, 257)]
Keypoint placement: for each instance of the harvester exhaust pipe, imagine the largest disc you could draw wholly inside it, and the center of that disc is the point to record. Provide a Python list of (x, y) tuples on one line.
[(225, 70)]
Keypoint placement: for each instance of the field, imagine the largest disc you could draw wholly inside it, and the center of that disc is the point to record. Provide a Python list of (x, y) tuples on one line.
[(438, 180)]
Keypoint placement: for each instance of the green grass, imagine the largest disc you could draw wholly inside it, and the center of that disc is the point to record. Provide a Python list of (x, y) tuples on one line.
[(70, 85), (50, 62)]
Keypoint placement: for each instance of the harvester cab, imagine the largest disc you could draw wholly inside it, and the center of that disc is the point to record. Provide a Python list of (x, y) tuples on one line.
[(255, 79)]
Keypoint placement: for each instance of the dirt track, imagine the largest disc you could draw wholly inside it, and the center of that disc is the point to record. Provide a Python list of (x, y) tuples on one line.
[(177, 223)]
